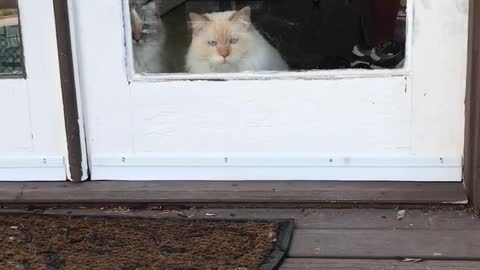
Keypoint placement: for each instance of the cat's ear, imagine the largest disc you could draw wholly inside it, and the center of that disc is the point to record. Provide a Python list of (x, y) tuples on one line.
[(243, 17), (198, 22)]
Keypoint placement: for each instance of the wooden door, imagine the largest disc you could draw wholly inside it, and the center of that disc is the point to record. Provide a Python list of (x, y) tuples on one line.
[(390, 124)]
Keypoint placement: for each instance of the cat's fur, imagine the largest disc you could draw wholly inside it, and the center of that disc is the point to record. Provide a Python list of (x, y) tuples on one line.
[(238, 45), (149, 37)]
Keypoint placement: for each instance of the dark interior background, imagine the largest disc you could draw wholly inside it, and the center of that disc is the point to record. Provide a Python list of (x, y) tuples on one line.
[(310, 34)]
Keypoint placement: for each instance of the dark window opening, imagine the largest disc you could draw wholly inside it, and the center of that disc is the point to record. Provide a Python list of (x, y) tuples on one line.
[(303, 34)]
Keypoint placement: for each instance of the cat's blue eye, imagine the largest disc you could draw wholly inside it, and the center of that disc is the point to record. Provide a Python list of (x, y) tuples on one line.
[(233, 40), (212, 43)]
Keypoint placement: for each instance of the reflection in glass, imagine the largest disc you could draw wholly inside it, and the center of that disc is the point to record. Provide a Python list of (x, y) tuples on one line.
[(11, 62), (203, 36)]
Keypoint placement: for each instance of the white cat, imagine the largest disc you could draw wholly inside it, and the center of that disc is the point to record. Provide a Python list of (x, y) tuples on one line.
[(149, 34), (228, 42)]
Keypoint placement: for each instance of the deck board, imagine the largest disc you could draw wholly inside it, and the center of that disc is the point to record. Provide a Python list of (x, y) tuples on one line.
[(330, 264), (234, 192), (353, 239), (386, 244), (321, 218)]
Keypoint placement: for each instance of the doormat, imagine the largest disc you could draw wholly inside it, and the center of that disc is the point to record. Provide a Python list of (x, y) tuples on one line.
[(57, 242)]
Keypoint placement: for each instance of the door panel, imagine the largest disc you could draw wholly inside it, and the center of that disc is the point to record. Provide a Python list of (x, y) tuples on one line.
[(15, 117), (32, 141), (404, 124)]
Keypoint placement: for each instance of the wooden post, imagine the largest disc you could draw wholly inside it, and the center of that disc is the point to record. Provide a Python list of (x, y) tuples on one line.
[(472, 136), (70, 104)]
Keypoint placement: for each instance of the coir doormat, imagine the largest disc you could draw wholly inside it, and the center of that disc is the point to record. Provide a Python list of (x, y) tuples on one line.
[(34, 242)]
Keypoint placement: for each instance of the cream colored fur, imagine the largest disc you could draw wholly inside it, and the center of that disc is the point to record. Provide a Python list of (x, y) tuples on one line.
[(228, 42)]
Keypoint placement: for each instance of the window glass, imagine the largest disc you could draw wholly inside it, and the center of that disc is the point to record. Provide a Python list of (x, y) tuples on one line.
[(206, 36), (11, 62)]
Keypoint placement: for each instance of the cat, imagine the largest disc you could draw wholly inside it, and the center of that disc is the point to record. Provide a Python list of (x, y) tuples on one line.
[(149, 37), (228, 42)]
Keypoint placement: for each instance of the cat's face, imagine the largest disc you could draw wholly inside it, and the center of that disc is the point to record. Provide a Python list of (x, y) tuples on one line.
[(146, 25), (222, 39)]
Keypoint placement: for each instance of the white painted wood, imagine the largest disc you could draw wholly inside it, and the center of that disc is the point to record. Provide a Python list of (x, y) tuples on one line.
[(31, 108), (439, 73), (442, 174), (416, 113), (268, 75), (103, 80), (266, 161), (16, 135), (268, 168), (272, 117), (44, 168)]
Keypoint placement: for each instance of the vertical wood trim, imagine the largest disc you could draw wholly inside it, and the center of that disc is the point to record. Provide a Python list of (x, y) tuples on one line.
[(472, 139), (70, 103)]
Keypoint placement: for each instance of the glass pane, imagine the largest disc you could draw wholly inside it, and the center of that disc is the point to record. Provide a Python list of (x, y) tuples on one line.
[(204, 36), (11, 60)]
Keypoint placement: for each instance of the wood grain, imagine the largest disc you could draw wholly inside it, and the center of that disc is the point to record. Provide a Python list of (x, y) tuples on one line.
[(234, 192), (314, 218), (67, 78), (325, 264), (472, 133), (386, 244), (367, 234)]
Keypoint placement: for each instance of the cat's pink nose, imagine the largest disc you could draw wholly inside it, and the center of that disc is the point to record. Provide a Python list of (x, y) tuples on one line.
[(224, 52)]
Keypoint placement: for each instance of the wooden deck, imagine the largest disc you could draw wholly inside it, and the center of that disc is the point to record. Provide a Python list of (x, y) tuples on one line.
[(246, 192), (356, 239)]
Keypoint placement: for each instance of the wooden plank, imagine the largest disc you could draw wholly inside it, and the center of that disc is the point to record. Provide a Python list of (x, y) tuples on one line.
[(235, 192), (434, 234), (315, 218), (350, 218), (70, 105), (472, 134), (386, 244), (329, 264)]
